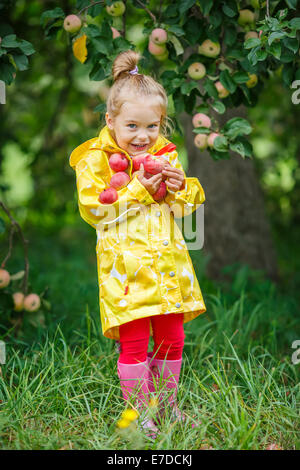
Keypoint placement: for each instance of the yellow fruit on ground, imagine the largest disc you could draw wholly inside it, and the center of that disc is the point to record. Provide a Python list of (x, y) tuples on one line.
[(18, 298), (4, 278), (32, 303)]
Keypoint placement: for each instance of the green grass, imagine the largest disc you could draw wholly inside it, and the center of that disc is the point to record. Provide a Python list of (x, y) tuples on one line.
[(59, 387)]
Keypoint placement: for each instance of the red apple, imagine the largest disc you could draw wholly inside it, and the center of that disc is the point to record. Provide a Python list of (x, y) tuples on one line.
[(136, 161), (201, 120), (153, 164), (115, 32), (211, 138), (161, 192), (118, 162), (159, 36), (119, 180), (72, 23), (108, 196)]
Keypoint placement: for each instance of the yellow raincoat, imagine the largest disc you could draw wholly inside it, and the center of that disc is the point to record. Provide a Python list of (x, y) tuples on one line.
[(143, 264)]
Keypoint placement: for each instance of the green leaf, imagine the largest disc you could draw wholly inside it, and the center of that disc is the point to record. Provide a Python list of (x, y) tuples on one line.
[(292, 4), (274, 49), (281, 14), (187, 87), (291, 44), (191, 30), (10, 41), (230, 36), (230, 9), (2, 226), (286, 55), (97, 73), (91, 30), (295, 23), (201, 130), (227, 81), (26, 47), (174, 28), (237, 126), (6, 72), (53, 14), (240, 77), (206, 6), (184, 5), (102, 45), (219, 107), (21, 61), (261, 54), (252, 42), (287, 74), (252, 56), (275, 35), (210, 88), (215, 19), (238, 147), (221, 144), (177, 44)]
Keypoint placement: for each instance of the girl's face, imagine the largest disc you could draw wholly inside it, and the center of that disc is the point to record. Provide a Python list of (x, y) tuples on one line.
[(136, 127)]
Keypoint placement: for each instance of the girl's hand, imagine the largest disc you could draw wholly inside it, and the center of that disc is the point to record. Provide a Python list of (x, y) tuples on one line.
[(151, 184), (175, 180)]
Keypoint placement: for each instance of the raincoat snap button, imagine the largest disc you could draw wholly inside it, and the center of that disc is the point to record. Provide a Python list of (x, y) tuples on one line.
[(172, 273), (177, 305), (158, 213), (165, 242)]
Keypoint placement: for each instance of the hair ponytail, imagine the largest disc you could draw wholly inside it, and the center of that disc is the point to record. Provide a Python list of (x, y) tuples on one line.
[(124, 63)]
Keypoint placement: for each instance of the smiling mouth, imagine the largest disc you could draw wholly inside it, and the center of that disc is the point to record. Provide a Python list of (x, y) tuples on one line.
[(139, 146)]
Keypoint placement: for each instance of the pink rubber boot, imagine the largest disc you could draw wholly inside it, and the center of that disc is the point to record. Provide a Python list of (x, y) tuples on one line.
[(134, 380), (166, 375)]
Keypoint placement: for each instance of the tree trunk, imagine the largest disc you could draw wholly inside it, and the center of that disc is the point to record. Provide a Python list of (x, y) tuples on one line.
[(236, 228)]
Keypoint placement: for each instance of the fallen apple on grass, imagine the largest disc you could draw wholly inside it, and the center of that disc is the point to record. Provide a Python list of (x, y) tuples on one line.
[(18, 298), (4, 278), (32, 303)]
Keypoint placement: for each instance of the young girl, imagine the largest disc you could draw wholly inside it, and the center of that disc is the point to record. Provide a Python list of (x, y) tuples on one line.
[(147, 283)]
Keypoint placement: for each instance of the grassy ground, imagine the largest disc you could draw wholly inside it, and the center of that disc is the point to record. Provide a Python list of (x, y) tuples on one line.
[(59, 387)]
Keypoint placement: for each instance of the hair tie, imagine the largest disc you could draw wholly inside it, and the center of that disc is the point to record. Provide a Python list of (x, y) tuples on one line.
[(134, 71)]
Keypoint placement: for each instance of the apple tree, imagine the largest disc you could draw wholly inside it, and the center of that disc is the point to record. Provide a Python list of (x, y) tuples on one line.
[(214, 58)]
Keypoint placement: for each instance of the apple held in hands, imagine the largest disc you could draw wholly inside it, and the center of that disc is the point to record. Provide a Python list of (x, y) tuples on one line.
[(161, 192), (119, 180), (136, 162), (118, 162), (154, 165), (108, 196)]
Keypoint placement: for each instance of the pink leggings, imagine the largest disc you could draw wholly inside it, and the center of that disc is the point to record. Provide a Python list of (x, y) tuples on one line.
[(168, 335)]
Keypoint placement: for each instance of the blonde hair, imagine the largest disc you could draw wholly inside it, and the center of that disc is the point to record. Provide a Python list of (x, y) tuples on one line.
[(136, 85)]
